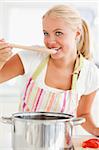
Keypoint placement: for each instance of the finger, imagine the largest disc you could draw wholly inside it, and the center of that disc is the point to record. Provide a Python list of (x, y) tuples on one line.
[(2, 40), (5, 50), (5, 57), (4, 45)]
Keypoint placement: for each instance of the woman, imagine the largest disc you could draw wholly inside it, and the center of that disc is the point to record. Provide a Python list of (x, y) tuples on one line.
[(65, 81)]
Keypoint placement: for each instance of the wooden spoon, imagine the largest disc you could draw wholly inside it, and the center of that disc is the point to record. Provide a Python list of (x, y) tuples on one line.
[(34, 48)]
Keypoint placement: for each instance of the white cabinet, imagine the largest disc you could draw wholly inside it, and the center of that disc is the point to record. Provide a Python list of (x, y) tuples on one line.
[(8, 105)]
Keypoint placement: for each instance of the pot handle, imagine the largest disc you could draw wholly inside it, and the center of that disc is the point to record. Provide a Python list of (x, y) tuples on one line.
[(6, 120), (77, 121)]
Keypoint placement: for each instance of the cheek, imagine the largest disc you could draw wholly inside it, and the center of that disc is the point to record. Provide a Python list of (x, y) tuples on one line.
[(66, 43), (45, 41), (69, 44)]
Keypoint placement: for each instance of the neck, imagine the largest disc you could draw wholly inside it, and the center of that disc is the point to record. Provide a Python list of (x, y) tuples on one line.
[(64, 63)]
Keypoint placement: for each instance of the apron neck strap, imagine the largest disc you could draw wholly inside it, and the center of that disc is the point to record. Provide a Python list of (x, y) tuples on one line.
[(77, 69), (40, 68)]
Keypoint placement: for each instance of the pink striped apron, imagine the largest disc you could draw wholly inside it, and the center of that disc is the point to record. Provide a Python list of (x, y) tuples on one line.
[(36, 98)]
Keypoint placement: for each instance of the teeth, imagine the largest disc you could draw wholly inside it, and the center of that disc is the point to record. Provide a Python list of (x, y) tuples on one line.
[(56, 49)]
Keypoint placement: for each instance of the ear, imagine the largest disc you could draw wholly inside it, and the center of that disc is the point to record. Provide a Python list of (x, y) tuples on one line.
[(78, 32)]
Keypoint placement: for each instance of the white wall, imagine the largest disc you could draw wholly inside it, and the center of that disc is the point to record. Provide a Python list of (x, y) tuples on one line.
[(20, 22)]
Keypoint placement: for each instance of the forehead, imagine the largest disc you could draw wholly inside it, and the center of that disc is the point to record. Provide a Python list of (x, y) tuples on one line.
[(53, 22)]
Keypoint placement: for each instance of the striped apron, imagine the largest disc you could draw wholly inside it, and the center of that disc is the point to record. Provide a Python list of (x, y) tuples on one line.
[(36, 98)]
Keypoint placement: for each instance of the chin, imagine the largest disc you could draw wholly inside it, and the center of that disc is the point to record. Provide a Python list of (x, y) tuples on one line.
[(56, 56)]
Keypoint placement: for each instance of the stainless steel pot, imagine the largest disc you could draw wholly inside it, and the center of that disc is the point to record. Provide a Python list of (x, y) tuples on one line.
[(42, 130)]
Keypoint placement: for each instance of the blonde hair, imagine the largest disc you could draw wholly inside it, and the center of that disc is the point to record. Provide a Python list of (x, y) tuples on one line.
[(73, 19)]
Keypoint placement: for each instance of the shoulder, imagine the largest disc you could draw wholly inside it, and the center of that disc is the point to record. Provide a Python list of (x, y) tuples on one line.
[(90, 68), (88, 80)]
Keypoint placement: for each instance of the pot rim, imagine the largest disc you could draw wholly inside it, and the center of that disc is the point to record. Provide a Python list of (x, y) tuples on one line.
[(60, 117)]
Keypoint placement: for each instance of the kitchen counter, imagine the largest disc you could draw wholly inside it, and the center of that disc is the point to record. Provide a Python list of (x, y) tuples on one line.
[(5, 142), (77, 141)]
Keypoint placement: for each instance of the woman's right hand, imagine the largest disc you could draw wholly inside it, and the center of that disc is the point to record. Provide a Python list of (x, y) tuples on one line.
[(5, 52)]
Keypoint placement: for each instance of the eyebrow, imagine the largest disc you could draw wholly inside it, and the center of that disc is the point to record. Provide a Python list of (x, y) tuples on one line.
[(53, 30), (57, 29)]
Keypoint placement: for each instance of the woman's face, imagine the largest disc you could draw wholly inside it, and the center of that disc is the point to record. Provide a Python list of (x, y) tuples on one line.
[(58, 35)]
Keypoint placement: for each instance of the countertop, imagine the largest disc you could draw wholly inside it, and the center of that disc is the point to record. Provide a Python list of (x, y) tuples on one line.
[(5, 142), (77, 141)]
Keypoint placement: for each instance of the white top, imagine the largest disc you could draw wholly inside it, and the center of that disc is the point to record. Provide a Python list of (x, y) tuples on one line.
[(88, 80)]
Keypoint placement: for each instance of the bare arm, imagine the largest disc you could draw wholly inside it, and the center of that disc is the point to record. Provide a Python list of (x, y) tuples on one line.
[(12, 68), (84, 110)]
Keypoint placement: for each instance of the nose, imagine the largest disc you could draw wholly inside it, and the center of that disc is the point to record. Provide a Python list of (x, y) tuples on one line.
[(51, 41)]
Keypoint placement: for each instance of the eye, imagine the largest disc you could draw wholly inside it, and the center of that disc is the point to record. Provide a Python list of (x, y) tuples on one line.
[(45, 33), (58, 33)]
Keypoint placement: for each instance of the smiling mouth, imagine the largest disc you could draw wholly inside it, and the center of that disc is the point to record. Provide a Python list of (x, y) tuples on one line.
[(56, 49)]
